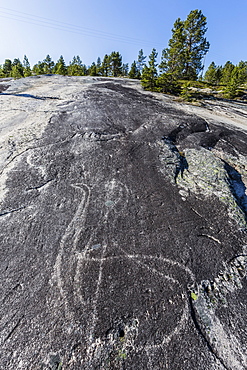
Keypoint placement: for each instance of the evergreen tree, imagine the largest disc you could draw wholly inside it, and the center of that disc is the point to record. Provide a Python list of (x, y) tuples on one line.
[(140, 62), (1, 71), (150, 73), (134, 72), (196, 44), (115, 62), (242, 74), (105, 66), (187, 47), (60, 67), (17, 69), (218, 75), (26, 66), (38, 68), (7, 67), (210, 74), (75, 67), (173, 58), (16, 73), (242, 67), (227, 72), (84, 70), (232, 87), (98, 66), (48, 64), (125, 69), (166, 83), (93, 70), (186, 93)]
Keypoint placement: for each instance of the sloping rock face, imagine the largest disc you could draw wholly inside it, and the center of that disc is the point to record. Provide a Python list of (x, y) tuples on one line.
[(123, 229)]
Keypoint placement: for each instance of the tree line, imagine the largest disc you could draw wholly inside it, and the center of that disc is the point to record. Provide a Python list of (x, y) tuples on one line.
[(229, 76), (181, 62), (111, 66)]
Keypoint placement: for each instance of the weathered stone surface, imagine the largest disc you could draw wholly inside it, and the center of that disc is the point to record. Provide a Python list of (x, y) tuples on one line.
[(123, 228)]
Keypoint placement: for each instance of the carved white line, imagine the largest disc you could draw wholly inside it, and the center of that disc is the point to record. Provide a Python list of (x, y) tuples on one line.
[(163, 259), (72, 233), (185, 313), (93, 320), (112, 186), (138, 256)]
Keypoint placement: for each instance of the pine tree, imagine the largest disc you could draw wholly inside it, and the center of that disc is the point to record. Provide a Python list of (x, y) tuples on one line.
[(7, 67), (134, 72), (196, 45), (38, 69), (60, 67), (211, 74), (98, 66), (150, 73), (48, 64), (105, 66), (15, 73), (1, 71), (218, 75), (115, 62), (140, 62), (92, 70), (84, 70), (17, 69), (125, 69), (74, 68), (166, 83), (187, 47), (232, 87), (227, 72), (26, 66), (173, 58), (242, 67)]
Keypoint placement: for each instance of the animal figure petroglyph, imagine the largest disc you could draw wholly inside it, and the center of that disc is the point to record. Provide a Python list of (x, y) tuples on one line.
[(81, 253), (72, 260)]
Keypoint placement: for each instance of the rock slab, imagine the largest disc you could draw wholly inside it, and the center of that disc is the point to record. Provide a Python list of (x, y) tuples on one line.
[(123, 228)]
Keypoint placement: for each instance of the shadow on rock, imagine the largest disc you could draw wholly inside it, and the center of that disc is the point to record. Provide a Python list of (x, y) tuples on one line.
[(31, 96), (182, 166), (237, 187)]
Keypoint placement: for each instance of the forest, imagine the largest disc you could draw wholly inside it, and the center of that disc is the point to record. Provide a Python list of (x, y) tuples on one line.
[(179, 72)]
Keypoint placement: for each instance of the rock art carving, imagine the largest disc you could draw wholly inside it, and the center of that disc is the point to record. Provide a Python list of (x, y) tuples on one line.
[(70, 260), (123, 221)]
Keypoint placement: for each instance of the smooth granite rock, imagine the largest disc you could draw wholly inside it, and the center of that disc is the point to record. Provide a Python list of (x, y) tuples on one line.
[(122, 228)]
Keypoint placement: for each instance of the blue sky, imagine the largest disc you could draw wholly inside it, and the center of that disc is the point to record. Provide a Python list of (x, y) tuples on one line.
[(95, 28)]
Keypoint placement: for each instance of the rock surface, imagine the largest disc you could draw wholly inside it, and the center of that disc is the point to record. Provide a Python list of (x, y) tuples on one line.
[(123, 228)]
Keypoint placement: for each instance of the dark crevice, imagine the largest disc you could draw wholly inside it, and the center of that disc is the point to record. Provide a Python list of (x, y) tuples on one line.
[(12, 211), (14, 329), (32, 96), (121, 333), (186, 129), (40, 186), (198, 328)]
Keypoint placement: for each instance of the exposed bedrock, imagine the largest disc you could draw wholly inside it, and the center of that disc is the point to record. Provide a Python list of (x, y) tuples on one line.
[(123, 229)]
